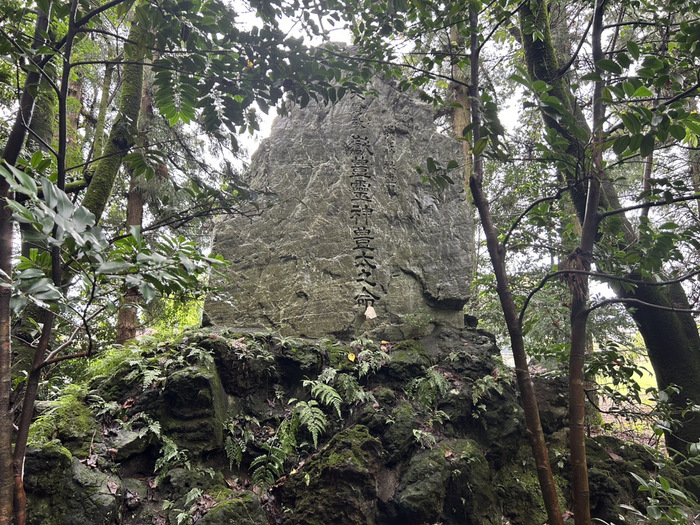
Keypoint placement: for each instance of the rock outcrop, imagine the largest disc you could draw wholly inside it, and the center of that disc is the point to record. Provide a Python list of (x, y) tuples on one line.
[(351, 225), (258, 429)]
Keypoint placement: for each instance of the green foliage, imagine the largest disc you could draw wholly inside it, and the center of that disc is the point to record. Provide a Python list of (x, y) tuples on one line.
[(424, 438), (67, 417), (666, 502), (170, 318), (239, 435), (435, 175), (429, 389), (311, 417), (369, 356), (325, 393), (170, 454), (268, 466), (351, 391)]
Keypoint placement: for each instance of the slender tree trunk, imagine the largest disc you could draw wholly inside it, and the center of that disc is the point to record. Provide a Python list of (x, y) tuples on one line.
[(674, 355), (10, 155), (127, 319), (497, 255), (102, 112)]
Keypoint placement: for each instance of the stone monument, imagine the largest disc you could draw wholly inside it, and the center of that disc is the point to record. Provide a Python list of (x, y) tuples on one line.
[(354, 243)]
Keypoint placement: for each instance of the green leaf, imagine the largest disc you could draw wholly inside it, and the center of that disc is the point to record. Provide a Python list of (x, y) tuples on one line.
[(652, 62), (83, 218), (595, 77), (609, 65), (647, 146), (113, 267), (631, 122), (621, 144), (14, 176), (540, 86), (480, 146), (148, 292), (654, 512), (677, 131), (633, 49), (643, 92)]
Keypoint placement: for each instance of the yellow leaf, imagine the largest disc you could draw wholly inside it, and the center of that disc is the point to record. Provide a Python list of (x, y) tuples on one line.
[(351, 356)]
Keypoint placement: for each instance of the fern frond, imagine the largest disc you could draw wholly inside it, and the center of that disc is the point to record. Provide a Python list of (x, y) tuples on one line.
[(326, 394), (287, 433), (234, 452), (327, 375), (312, 418), (269, 466), (351, 391)]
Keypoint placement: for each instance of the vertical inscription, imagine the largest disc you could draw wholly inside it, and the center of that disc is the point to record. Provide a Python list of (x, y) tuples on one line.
[(361, 210), (389, 135)]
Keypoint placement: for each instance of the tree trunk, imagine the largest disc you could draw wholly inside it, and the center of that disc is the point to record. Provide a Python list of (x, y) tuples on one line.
[(497, 255), (10, 155), (127, 321), (680, 365), (674, 351), (102, 113), (124, 130)]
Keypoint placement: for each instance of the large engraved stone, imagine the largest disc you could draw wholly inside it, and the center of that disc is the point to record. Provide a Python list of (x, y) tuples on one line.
[(352, 226)]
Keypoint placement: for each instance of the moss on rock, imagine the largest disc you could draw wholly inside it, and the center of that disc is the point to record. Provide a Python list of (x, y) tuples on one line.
[(450, 484), (338, 485), (69, 420), (243, 509), (409, 359)]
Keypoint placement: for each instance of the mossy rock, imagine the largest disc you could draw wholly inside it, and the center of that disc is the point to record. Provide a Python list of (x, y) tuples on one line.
[(409, 359), (244, 363), (298, 362), (45, 468), (610, 464), (398, 439), (242, 509), (337, 485), (114, 386), (70, 421), (518, 489), (195, 408), (63, 491), (339, 358), (450, 484)]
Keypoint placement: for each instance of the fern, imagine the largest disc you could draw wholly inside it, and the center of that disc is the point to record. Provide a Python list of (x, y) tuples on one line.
[(371, 360), (327, 375), (325, 393), (234, 451), (351, 391), (239, 435), (142, 371), (269, 466), (429, 389), (313, 418), (287, 433), (171, 456)]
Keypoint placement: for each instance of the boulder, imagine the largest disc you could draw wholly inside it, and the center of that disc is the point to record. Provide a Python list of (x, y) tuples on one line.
[(351, 225)]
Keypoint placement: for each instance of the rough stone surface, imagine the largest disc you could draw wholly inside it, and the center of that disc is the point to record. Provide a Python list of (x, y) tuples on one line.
[(244, 509), (66, 492), (294, 269), (341, 487), (430, 432)]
